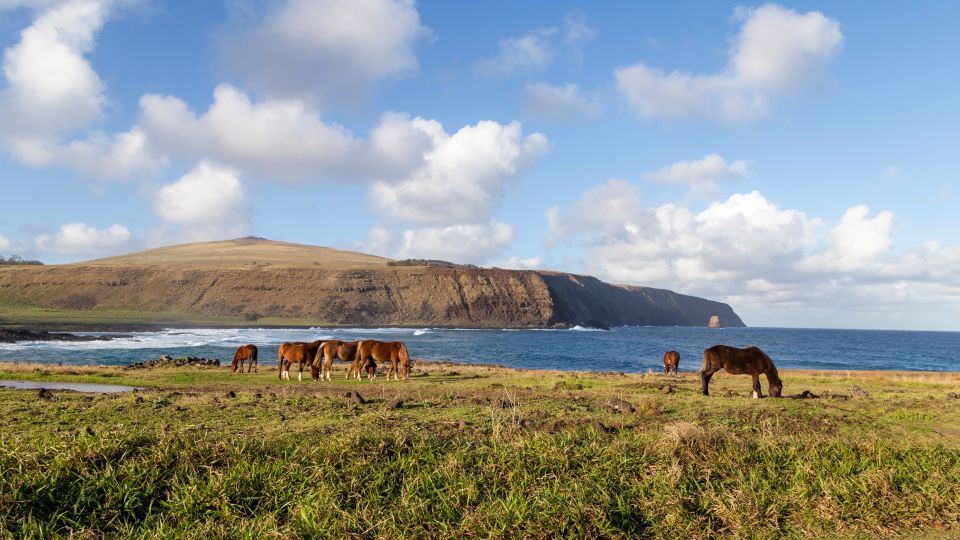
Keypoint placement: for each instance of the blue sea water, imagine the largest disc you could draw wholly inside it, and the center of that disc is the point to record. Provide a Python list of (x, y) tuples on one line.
[(627, 349)]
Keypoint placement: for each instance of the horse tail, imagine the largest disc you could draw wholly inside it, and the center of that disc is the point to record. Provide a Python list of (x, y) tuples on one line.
[(317, 362), (255, 352), (404, 359), (706, 360), (280, 361)]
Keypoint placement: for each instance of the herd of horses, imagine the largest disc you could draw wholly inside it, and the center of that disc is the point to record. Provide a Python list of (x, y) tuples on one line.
[(364, 354)]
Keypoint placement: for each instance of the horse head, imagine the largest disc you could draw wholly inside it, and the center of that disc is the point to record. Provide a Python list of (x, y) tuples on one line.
[(775, 384)]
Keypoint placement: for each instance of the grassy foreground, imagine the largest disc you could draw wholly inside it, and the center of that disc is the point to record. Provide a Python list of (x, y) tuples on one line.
[(480, 452)]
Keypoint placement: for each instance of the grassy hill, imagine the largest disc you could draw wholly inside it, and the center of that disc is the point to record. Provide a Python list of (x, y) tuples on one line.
[(241, 253)]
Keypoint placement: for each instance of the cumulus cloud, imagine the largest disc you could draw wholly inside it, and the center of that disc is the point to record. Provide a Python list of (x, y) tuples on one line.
[(322, 49), (52, 93), (80, 239), (444, 207), (559, 102), (777, 52), (208, 203), (4, 243), (462, 243), (856, 243), (463, 176), (701, 175), (757, 255), (278, 138)]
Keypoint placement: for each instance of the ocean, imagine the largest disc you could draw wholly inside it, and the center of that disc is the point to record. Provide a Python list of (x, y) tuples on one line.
[(626, 349)]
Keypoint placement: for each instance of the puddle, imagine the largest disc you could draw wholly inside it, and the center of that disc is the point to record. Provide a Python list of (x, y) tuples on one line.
[(75, 386)]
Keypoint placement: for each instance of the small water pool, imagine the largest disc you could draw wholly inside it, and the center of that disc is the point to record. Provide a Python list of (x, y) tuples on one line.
[(75, 386)]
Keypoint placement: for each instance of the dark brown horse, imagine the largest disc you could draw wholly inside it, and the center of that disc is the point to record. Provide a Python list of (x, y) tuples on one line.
[(749, 361), (245, 352), (394, 352), (331, 350), (671, 361), (298, 352)]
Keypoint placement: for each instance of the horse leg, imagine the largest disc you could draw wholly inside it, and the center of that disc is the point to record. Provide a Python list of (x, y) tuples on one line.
[(705, 381), (757, 394)]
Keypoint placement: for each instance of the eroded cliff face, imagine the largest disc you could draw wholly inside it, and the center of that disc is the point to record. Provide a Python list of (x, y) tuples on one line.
[(386, 296), (586, 300)]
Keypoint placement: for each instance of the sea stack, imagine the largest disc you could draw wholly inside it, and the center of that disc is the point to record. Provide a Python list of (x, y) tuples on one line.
[(714, 322)]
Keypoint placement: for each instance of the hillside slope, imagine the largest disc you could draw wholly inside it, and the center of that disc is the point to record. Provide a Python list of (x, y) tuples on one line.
[(259, 281)]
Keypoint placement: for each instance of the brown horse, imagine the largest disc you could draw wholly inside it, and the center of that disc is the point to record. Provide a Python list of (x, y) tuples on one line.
[(394, 352), (671, 361), (245, 352), (331, 350), (751, 361), (300, 353)]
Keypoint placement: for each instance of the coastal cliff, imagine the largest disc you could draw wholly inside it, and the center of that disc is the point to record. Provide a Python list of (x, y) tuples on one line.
[(259, 281)]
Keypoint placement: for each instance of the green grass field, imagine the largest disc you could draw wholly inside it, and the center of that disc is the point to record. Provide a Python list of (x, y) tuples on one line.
[(479, 452)]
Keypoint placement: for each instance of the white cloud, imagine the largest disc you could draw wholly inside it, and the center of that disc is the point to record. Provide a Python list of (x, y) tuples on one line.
[(856, 243), (463, 175), (327, 48), (777, 52), (51, 88), (273, 138), (80, 239), (701, 175), (516, 263), (460, 243), (208, 203), (559, 102), (538, 48), (529, 52), (52, 93), (781, 263), (443, 209), (4, 243), (576, 29)]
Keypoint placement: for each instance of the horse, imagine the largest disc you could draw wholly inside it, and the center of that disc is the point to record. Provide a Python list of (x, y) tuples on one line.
[(378, 351), (245, 352), (297, 352), (671, 361), (736, 361), (331, 350)]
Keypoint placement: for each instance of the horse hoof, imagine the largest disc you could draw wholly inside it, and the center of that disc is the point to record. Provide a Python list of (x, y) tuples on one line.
[(754, 395)]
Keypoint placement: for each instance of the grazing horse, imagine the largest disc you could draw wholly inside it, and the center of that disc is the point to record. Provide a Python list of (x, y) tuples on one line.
[(300, 353), (245, 352), (751, 361), (671, 361), (331, 350), (378, 351)]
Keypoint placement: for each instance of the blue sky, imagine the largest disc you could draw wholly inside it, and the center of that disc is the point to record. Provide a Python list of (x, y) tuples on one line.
[(793, 159)]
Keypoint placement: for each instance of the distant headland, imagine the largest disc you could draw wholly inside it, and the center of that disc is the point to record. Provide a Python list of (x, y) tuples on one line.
[(253, 281)]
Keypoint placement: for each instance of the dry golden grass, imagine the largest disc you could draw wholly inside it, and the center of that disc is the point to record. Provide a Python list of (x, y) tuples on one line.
[(243, 253)]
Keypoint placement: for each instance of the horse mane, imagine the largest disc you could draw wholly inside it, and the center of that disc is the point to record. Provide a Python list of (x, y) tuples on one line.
[(773, 374)]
